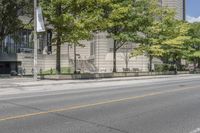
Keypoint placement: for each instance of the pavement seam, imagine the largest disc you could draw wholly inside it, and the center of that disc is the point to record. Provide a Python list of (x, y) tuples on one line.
[(25, 106), (90, 122)]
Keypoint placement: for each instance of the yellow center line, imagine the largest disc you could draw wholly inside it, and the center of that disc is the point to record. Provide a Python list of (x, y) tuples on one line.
[(92, 104)]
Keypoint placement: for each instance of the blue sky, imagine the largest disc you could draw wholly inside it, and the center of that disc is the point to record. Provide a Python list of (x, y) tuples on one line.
[(193, 10)]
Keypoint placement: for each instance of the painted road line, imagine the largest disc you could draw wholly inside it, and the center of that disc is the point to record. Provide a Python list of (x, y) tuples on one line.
[(93, 104)]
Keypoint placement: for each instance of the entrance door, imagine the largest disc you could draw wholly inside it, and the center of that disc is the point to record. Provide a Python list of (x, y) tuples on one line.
[(5, 68)]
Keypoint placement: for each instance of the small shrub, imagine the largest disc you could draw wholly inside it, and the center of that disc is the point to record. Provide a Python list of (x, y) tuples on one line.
[(162, 67), (64, 70)]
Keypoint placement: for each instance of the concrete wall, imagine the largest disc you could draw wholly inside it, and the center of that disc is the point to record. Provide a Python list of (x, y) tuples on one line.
[(104, 56), (107, 75), (45, 62)]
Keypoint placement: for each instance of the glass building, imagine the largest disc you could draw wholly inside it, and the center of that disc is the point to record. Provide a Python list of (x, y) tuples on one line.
[(16, 43), (20, 43)]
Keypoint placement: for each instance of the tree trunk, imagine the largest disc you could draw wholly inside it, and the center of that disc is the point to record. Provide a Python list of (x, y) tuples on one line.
[(58, 53), (58, 41), (1, 43), (126, 62), (75, 72), (175, 66), (150, 63), (68, 54), (198, 60), (179, 65), (114, 56), (127, 57), (194, 64)]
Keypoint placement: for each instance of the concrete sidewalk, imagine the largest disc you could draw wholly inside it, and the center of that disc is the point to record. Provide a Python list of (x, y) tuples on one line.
[(28, 85), (28, 82)]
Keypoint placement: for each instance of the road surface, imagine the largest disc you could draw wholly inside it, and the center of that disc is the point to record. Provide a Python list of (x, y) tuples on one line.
[(170, 105)]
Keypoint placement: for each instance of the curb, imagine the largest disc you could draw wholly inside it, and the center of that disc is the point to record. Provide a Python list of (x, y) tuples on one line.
[(94, 80)]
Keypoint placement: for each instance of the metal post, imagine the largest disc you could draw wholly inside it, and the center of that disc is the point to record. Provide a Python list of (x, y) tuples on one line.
[(35, 41)]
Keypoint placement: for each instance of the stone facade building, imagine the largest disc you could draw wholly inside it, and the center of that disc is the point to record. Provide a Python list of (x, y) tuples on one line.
[(95, 56)]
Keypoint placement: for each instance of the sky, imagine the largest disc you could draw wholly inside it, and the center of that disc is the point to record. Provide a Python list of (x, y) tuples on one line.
[(193, 10)]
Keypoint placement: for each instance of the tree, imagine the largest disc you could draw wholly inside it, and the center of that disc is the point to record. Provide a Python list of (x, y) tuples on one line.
[(163, 35), (151, 33), (125, 55), (175, 41), (10, 11), (194, 42), (72, 21), (122, 20)]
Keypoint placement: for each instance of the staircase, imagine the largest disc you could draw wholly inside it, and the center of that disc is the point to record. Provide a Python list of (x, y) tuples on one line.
[(85, 66)]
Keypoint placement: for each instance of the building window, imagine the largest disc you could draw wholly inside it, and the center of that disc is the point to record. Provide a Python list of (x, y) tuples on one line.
[(17, 42)]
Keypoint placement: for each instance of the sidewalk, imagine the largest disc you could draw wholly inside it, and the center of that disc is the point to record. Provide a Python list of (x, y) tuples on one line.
[(29, 82), (18, 86)]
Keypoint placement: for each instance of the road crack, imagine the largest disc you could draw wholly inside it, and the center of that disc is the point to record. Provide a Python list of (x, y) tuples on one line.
[(90, 122), (24, 106)]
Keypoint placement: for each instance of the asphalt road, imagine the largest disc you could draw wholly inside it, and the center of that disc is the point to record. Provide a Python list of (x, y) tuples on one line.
[(169, 105)]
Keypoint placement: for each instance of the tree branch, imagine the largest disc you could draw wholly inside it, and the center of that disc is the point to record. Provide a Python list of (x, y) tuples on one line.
[(120, 45)]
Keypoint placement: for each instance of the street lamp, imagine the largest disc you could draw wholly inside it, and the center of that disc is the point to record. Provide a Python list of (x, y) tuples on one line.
[(38, 27), (35, 40)]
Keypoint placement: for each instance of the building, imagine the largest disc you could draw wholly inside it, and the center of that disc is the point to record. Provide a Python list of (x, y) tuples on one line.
[(16, 53), (96, 56), (178, 5), (104, 47)]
